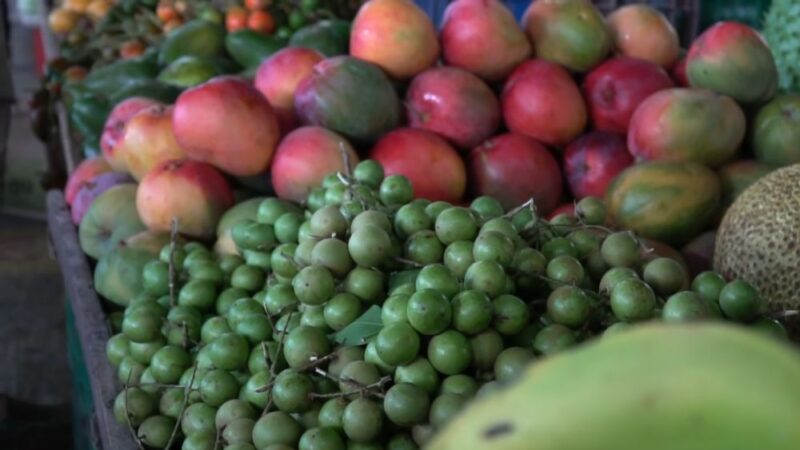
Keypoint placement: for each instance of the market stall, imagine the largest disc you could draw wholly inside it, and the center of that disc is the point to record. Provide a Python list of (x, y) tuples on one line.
[(338, 225)]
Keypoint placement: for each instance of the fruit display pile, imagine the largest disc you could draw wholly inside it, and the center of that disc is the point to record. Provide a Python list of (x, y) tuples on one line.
[(369, 318), (356, 231), (145, 49)]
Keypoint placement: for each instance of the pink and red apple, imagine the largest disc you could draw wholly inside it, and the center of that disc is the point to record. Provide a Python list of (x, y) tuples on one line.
[(687, 124), (514, 169), (615, 88), (92, 189), (304, 157), (115, 127), (541, 100), (149, 140), (192, 192), (641, 31), (86, 170), (572, 33), (277, 79), (733, 59), (678, 73), (563, 209), (483, 37), (226, 122), (434, 168), (454, 104), (593, 160), (396, 35)]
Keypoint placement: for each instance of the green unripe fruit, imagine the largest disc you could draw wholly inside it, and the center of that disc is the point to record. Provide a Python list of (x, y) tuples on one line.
[(406, 404)]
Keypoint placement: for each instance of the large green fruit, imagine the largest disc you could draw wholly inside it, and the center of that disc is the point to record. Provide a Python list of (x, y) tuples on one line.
[(197, 38), (776, 133), (654, 387), (329, 37), (758, 240), (111, 219), (572, 33), (733, 59), (350, 96), (246, 210), (118, 275), (667, 201)]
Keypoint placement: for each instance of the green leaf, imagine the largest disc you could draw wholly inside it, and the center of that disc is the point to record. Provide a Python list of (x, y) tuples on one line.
[(363, 328)]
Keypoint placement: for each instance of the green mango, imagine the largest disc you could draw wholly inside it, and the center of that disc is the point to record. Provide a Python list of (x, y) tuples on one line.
[(196, 38), (249, 73), (154, 89), (225, 65), (188, 71), (87, 116), (329, 37), (111, 78), (249, 48)]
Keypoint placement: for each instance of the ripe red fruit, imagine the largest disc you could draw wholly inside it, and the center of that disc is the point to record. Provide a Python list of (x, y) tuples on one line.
[(615, 88), (514, 168), (593, 160), (434, 168), (541, 100)]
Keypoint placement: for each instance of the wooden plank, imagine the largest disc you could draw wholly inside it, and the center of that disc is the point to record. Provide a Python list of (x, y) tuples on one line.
[(90, 321)]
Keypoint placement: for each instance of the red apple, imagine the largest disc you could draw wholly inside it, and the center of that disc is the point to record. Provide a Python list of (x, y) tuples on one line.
[(92, 189), (541, 100), (566, 208), (192, 192), (148, 140), (615, 88), (453, 103), (678, 73), (514, 169), (434, 168), (303, 159), (396, 35), (228, 123), (277, 79), (115, 127), (86, 170), (641, 31), (483, 37), (593, 160)]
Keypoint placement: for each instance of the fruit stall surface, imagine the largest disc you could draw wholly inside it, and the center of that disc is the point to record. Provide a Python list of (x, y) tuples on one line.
[(383, 224)]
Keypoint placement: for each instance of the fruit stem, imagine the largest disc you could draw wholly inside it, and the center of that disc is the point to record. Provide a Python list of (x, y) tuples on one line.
[(173, 234), (528, 204), (362, 390), (128, 413), (186, 392), (408, 262)]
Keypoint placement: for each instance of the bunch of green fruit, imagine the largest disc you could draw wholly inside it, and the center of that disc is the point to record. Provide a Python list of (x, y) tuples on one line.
[(366, 319)]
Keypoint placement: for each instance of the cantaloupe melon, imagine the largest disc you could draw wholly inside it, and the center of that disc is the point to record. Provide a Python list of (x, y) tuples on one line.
[(759, 238)]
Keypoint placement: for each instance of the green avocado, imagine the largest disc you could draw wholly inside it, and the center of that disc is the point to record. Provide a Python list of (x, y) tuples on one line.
[(154, 89), (249, 48), (196, 38), (188, 71), (111, 78), (329, 37)]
